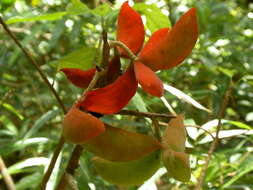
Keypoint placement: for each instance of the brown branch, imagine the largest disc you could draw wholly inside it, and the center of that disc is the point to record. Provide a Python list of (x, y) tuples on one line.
[(144, 114), (6, 176), (156, 129), (44, 78), (33, 62), (216, 140), (50, 168)]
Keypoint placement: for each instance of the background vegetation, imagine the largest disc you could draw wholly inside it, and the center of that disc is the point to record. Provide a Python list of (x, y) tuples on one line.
[(30, 118)]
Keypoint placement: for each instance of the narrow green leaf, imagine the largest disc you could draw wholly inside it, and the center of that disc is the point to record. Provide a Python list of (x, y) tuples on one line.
[(81, 58), (21, 144), (29, 181), (41, 121), (13, 110), (36, 161), (184, 97), (48, 16)]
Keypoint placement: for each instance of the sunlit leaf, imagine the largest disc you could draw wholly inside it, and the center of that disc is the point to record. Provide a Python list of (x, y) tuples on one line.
[(82, 58), (48, 17), (153, 14), (181, 95), (77, 7)]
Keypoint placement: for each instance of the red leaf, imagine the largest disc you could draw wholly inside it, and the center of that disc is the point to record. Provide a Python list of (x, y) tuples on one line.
[(79, 127), (148, 79), (130, 29), (79, 77), (175, 46), (112, 98)]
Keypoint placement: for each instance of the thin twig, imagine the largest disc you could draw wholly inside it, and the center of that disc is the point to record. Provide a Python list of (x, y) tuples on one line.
[(195, 126), (50, 168), (145, 114), (216, 140), (34, 63), (6, 176), (44, 78), (156, 129)]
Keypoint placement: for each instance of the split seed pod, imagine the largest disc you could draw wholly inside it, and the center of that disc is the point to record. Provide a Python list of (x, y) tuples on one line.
[(79, 127)]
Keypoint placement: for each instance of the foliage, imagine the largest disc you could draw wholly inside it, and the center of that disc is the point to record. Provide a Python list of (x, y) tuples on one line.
[(30, 120)]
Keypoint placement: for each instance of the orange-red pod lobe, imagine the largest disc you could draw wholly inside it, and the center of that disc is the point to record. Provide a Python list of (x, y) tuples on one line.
[(112, 98), (79, 77), (130, 29), (148, 80), (154, 40), (79, 127), (175, 46)]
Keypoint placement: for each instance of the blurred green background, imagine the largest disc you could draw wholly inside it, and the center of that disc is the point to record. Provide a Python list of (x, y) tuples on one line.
[(30, 118)]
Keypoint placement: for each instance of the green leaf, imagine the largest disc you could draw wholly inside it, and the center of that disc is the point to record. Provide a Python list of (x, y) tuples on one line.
[(36, 161), (155, 18), (181, 95), (41, 121), (77, 8), (81, 58), (21, 144), (49, 17), (228, 72), (13, 110), (101, 10), (29, 181), (128, 173), (139, 103), (177, 164)]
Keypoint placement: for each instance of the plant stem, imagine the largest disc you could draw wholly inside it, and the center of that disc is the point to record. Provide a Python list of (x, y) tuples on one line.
[(58, 99), (6, 176), (34, 63), (145, 114), (156, 129), (50, 168), (123, 46), (216, 140)]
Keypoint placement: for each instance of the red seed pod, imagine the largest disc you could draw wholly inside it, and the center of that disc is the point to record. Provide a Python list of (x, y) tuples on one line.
[(78, 126)]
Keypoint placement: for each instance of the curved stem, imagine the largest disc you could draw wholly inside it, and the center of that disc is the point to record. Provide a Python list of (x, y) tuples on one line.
[(50, 86), (216, 140), (123, 46)]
